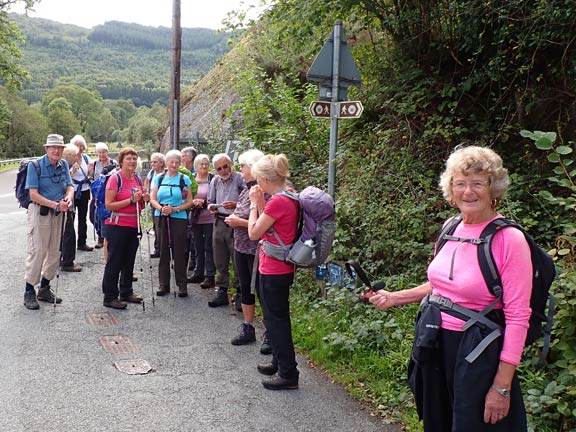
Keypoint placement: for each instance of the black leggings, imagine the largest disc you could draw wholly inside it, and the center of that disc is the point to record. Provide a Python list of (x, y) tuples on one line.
[(244, 269)]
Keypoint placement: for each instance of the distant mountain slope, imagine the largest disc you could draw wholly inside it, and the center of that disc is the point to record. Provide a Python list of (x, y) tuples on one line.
[(119, 60)]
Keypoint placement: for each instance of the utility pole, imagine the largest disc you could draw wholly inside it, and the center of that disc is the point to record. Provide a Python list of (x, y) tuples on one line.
[(175, 82)]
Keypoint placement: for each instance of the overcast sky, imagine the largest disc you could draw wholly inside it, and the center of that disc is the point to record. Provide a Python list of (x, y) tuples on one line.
[(89, 13)]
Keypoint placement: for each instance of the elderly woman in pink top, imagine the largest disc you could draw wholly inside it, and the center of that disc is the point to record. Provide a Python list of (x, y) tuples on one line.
[(452, 393)]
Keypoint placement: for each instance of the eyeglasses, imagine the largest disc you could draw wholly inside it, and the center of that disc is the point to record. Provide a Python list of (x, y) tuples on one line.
[(477, 185), (223, 167)]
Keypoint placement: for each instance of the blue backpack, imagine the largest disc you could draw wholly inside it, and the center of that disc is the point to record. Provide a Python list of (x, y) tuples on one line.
[(98, 189), (23, 194)]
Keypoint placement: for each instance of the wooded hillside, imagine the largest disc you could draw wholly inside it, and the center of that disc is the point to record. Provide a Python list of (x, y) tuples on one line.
[(118, 60)]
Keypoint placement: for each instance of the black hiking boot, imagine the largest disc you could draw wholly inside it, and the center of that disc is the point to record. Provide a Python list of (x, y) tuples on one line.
[(221, 298), (46, 295), (247, 335), (30, 300)]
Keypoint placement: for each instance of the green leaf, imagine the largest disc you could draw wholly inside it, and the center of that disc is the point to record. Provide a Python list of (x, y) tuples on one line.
[(551, 136), (528, 134), (564, 150), (554, 158), (543, 143), (558, 170), (563, 252)]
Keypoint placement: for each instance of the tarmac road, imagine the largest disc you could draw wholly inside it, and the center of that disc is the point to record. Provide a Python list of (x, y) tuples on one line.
[(56, 376)]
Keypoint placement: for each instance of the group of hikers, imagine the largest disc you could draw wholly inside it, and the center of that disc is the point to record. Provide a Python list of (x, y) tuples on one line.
[(203, 220), (469, 338)]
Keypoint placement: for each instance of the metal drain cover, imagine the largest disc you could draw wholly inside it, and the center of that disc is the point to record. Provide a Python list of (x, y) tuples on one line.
[(133, 367), (101, 319), (117, 344)]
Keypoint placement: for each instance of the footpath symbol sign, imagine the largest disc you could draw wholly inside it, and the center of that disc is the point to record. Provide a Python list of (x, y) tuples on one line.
[(350, 109), (345, 110), (321, 109)]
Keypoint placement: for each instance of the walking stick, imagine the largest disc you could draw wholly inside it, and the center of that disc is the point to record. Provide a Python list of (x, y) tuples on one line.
[(60, 258), (171, 254), (150, 259), (140, 247)]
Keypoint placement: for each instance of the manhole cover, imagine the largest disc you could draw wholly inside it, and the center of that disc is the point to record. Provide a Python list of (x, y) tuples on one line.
[(117, 344), (101, 319), (133, 367)]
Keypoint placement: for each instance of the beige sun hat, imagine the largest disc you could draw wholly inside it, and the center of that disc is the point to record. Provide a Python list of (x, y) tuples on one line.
[(55, 140)]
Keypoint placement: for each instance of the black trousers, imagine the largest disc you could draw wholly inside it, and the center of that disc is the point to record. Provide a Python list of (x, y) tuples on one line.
[(450, 393), (122, 248), (173, 241), (69, 241), (244, 268), (274, 299), (82, 211)]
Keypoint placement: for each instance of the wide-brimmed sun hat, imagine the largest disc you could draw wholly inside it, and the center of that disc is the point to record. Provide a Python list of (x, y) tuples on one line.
[(54, 140)]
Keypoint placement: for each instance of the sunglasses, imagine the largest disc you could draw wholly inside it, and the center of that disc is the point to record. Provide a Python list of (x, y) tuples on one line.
[(223, 167)]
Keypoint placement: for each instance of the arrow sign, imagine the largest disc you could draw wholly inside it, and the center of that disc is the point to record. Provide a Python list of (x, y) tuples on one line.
[(350, 109), (320, 109)]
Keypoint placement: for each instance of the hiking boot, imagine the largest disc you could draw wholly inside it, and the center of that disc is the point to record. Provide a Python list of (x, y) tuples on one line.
[(195, 278), (267, 368), (280, 383), (163, 291), (115, 304), (100, 244), (208, 282), (265, 348), (132, 298), (183, 291), (247, 335), (221, 298), (71, 268), (30, 300), (238, 302), (46, 295), (86, 248)]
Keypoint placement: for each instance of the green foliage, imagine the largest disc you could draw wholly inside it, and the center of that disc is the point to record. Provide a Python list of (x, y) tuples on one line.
[(117, 60), (360, 347), (25, 129)]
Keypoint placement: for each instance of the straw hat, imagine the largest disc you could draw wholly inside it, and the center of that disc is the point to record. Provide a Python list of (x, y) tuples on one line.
[(55, 140)]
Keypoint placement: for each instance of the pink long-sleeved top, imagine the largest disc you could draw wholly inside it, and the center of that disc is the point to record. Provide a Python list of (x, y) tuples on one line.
[(467, 287)]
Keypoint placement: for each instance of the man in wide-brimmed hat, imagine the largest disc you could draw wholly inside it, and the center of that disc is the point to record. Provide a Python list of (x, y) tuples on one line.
[(51, 192)]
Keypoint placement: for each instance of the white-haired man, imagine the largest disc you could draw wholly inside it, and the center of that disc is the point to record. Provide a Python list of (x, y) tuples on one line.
[(225, 189), (51, 192)]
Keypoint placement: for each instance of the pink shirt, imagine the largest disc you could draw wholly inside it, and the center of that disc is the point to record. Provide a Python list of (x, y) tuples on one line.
[(467, 287), (284, 210), (124, 193)]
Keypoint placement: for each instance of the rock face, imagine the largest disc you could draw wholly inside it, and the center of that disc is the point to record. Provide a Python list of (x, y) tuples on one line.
[(205, 112)]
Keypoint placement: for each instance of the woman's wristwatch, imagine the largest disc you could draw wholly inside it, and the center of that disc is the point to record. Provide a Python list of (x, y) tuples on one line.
[(501, 391)]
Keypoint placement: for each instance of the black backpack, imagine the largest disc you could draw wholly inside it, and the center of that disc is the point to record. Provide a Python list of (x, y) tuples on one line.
[(182, 185), (544, 273), (23, 194)]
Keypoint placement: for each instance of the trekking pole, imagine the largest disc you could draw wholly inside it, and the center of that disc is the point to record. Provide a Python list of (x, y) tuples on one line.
[(149, 258), (140, 247), (60, 258), (171, 253)]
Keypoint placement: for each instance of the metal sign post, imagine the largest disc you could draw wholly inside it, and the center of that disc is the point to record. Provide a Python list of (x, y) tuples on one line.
[(334, 70), (334, 114)]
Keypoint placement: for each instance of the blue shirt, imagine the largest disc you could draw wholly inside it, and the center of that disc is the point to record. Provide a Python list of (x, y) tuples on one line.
[(53, 181), (169, 193)]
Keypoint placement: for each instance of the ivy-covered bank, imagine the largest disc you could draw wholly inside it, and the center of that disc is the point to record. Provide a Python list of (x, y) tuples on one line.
[(435, 74)]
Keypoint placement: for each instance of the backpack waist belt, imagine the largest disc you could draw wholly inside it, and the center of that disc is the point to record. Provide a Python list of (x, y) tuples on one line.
[(114, 216), (279, 252), (471, 317)]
